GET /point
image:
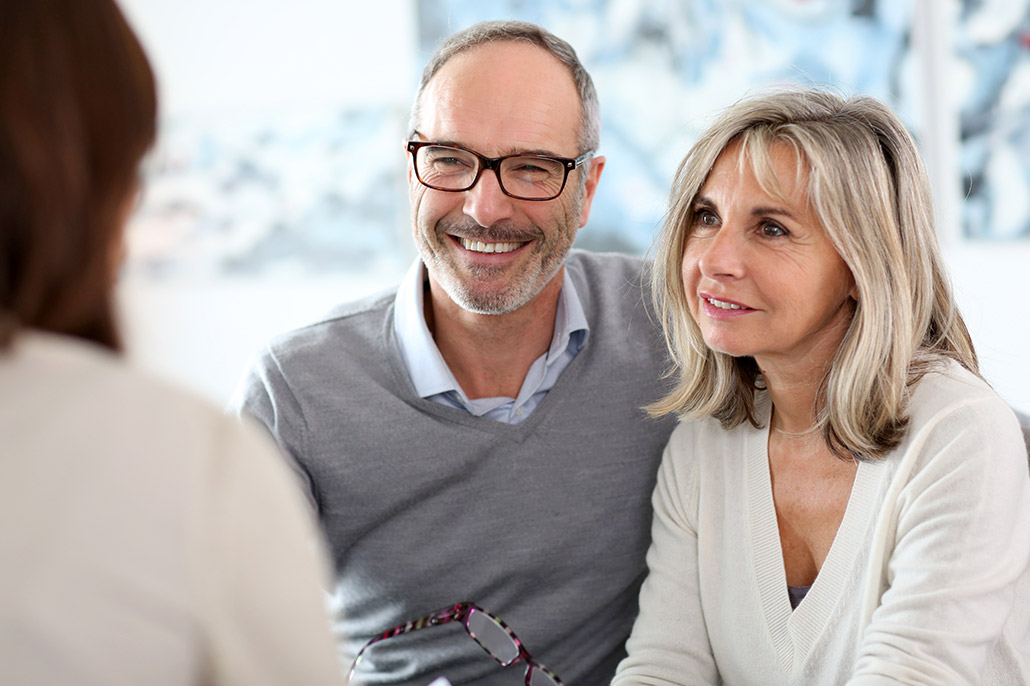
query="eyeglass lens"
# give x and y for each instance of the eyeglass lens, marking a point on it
(525, 176)
(496, 640)
(492, 636)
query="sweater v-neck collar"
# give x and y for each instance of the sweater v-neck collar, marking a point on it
(516, 432)
(794, 633)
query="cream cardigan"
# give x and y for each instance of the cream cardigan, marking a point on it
(927, 580)
(147, 538)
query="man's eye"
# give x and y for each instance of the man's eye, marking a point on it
(530, 168)
(450, 165)
(447, 161)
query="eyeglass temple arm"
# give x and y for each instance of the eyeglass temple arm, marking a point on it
(445, 615)
(442, 616)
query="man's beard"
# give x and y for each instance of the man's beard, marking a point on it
(524, 281)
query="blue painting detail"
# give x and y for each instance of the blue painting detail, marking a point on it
(993, 70)
(274, 192)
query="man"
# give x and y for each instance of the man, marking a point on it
(476, 434)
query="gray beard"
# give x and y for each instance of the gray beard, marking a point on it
(523, 287)
(512, 298)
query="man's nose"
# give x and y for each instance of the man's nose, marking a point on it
(486, 203)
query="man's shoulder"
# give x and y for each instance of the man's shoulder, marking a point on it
(359, 319)
(373, 305)
(605, 265)
(610, 281)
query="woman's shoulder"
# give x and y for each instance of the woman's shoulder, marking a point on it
(704, 447)
(73, 370)
(707, 431)
(948, 388)
(951, 406)
(101, 401)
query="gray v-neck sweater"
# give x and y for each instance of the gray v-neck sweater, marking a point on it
(545, 523)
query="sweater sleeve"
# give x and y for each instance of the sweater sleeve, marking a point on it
(954, 544)
(669, 643)
(265, 395)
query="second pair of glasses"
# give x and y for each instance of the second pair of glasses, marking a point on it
(486, 629)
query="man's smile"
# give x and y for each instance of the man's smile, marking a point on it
(480, 246)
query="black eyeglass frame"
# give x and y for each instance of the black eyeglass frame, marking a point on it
(461, 612)
(568, 164)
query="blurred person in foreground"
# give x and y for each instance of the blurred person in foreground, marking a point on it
(146, 538)
(852, 503)
(476, 434)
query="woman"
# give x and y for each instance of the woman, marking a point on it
(146, 538)
(852, 504)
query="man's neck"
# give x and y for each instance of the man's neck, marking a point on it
(490, 354)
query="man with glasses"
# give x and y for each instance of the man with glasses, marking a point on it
(474, 439)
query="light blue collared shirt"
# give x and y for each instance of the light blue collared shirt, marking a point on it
(432, 377)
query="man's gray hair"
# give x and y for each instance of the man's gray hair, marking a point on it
(589, 136)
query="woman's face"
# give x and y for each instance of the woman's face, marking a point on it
(761, 276)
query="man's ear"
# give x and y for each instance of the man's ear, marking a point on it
(407, 160)
(593, 177)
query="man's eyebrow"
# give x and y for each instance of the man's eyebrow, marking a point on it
(504, 153)
(539, 151)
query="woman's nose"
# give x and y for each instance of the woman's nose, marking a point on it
(722, 254)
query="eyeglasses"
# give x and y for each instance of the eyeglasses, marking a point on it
(492, 635)
(523, 177)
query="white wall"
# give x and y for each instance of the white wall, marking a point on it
(234, 56)
(229, 54)
(991, 283)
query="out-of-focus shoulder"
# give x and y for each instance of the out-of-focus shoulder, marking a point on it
(71, 366)
(87, 389)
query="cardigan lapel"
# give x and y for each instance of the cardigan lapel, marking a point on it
(795, 633)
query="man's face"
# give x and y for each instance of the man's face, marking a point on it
(489, 252)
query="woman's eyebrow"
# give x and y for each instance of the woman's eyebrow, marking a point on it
(781, 211)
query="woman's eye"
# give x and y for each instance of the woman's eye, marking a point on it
(774, 230)
(705, 218)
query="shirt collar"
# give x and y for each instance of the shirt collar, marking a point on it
(426, 367)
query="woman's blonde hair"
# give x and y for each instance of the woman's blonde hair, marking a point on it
(868, 186)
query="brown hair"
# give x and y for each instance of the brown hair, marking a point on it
(78, 111)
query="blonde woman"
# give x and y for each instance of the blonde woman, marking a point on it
(851, 503)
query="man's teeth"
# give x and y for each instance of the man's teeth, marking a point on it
(724, 305)
(480, 246)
